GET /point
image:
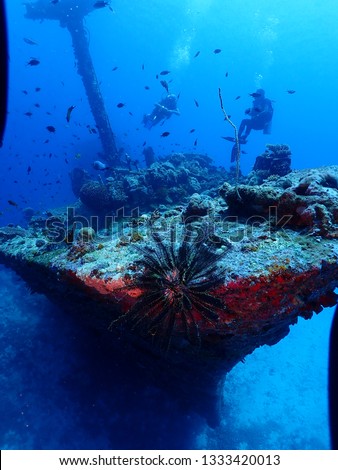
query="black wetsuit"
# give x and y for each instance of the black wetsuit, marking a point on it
(260, 118)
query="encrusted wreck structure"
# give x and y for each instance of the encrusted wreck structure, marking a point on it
(190, 289)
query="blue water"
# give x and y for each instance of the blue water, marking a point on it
(59, 386)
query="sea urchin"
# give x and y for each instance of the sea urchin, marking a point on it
(177, 287)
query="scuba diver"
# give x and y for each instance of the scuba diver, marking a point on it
(162, 111)
(260, 114)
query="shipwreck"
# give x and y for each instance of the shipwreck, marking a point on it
(191, 289)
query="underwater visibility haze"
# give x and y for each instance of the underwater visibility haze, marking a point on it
(120, 106)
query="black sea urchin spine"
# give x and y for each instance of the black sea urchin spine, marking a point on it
(177, 287)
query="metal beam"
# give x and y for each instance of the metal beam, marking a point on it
(70, 14)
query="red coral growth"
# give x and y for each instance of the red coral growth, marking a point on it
(118, 290)
(261, 298)
(250, 304)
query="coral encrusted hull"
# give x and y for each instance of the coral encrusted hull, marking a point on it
(278, 260)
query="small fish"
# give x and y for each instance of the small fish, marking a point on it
(244, 152)
(291, 92)
(29, 169)
(156, 76)
(66, 161)
(130, 113)
(115, 68)
(78, 156)
(146, 87)
(12, 203)
(237, 97)
(196, 103)
(37, 105)
(46, 141)
(144, 143)
(100, 4)
(191, 131)
(51, 129)
(195, 143)
(37, 89)
(142, 67)
(97, 165)
(164, 72)
(165, 134)
(217, 51)
(33, 61)
(69, 112)
(197, 54)
(120, 105)
(30, 41)
(226, 74)
(29, 114)
(165, 85)
(255, 95)
(25, 92)
(54, 2)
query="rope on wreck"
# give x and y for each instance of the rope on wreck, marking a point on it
(238, 149)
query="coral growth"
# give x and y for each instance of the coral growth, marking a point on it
(276, 160)
(198, 206)
(7, 233)
(78, 250)
(95, 195)
(278, 241)
(116, 191)
(307, 199)
(165, 181)
(86, 234)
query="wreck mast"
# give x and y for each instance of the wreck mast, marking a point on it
(71, 14)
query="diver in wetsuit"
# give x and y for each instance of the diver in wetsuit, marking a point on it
(260, 114)
(162, 111)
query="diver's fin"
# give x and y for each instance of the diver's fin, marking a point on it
(241, 140)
